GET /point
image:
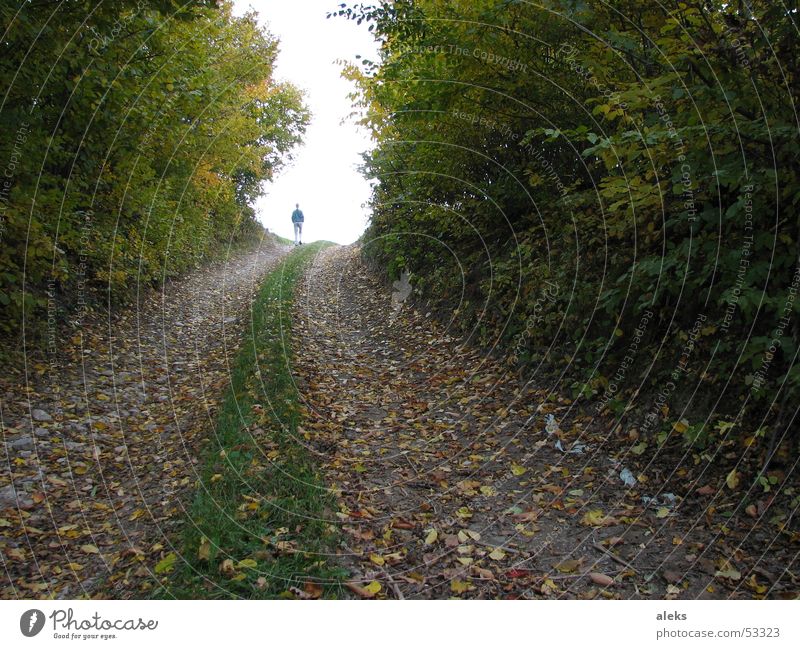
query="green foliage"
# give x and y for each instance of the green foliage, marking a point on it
(640, 158)
(136, 137)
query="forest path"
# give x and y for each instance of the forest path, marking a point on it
(101, 440)
(449, 481)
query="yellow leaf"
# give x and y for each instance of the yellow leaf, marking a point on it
(497, 554)
(204, 551)
(548, 587)
(459, 587)
(488, 491)
(90, 549)
(247, 563)
(733, 479)
(595, 518)
(431, 538)
(464, 512)
(518, 469)
(753, 583)
(569, 565)
(167, 564)
(377, 559)
(662, 512)
(373, 587)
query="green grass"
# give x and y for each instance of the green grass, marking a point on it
(255, 527)
(284, 241)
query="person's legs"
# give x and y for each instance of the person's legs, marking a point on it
(296, 233)
(300, 232)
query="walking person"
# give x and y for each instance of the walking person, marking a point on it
(297, 219)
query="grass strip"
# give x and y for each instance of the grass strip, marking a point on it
(256, 528)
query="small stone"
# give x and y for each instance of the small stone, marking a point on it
(42, 432)
(8, 495)
(23, 443)
(40, 415)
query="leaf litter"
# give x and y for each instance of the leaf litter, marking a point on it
(101, 442)
(439, 458)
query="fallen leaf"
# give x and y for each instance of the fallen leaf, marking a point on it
(497, 554)
(373, 587)
(460, 587)
(596, 518)
(247, 563)
(361, 591)
(730, 573)
(600, 579)
(204, 551)
(167, 564)
(570, 565)
(430, 539)
(90, 549)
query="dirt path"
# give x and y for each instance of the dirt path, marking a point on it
(450, 482)
(102, 437)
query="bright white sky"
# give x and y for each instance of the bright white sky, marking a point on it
(323, 177)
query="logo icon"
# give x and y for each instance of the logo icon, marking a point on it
(402, 289)
(31, 622)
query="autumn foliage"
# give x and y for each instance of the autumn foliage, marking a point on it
(606, 191)
(136, 136)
